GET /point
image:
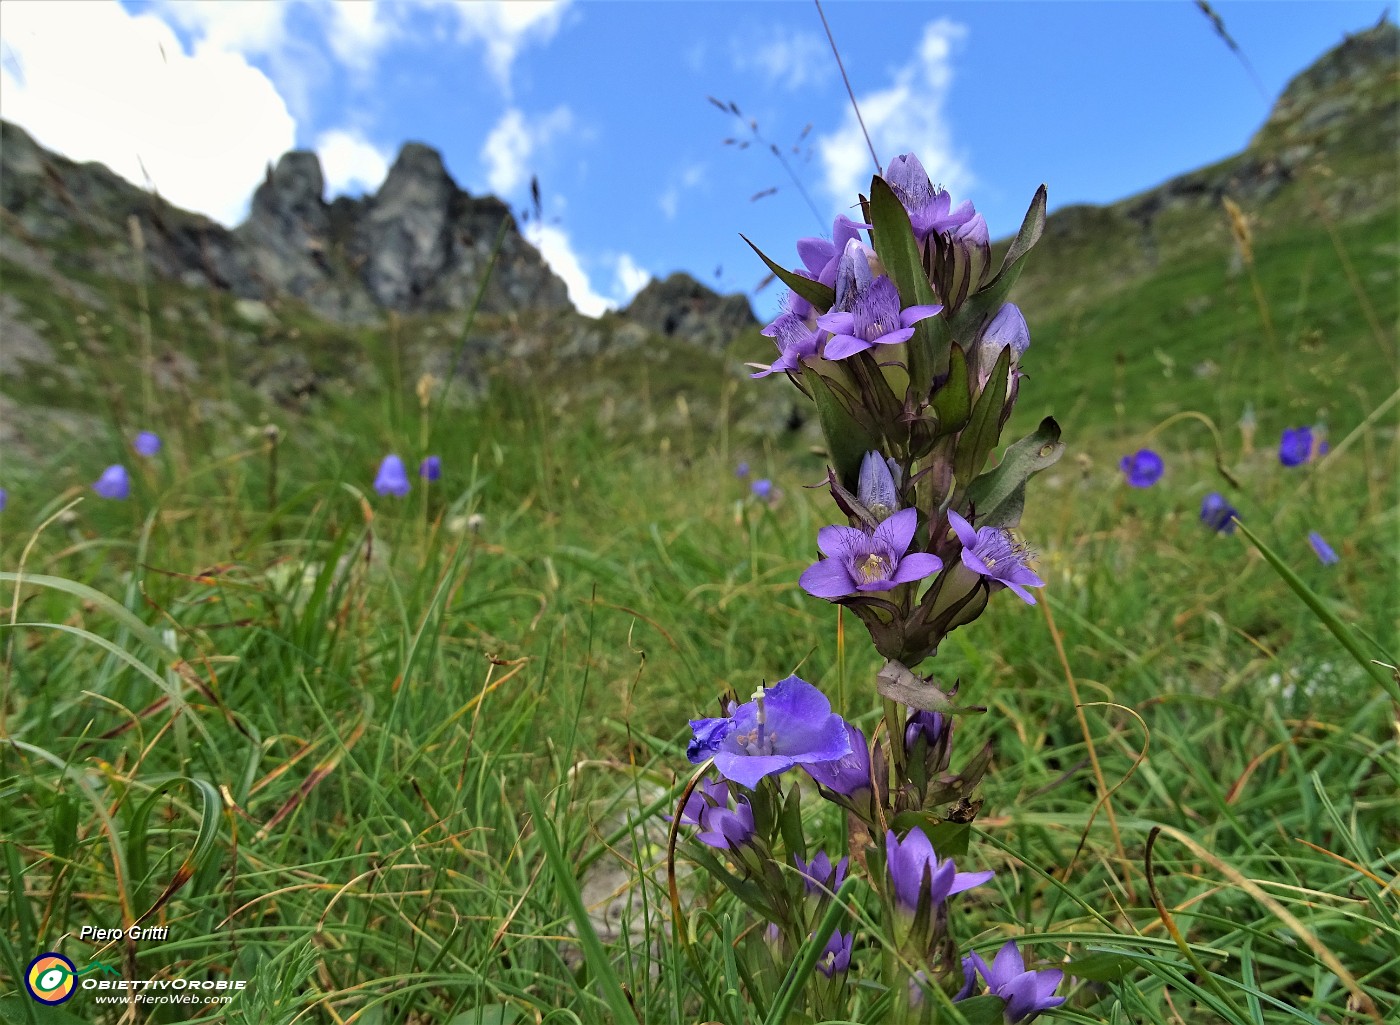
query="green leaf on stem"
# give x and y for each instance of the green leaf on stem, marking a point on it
(819, 295)
(999, 495)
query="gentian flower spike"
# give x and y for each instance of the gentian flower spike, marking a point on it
(1026, 993)
(861, 561)
(392, 479)
(991, 552)
(146, 444)
(790, 723)
(836, 956)
(913, 860)
(1323, 550)
(877, 489)
(1143, 468)
(1218, 514)
(1295, 447)
(113, 483)
(869, 313)
(430, 468)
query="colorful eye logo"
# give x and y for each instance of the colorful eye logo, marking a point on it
(51, 978)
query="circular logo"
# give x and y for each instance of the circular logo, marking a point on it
(51, 978)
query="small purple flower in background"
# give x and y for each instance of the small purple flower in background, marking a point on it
(392, 479)
(819, 875)
(725, 828)
(914, 860)
(991, 552)
(836, 956)
(1296, 446)
(790, 723)
(849, 774)
(3, 499)
(1026, 993)
(430, 468)
(1324, 551)
(870, 313)
(1143, 468)
(113, 483)
(762, 489)
(860, 561)
(146, 444)
(878, 488)
(928, 205)
(1218, 514)
(742, 470)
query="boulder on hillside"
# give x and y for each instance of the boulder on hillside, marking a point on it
(682, 308)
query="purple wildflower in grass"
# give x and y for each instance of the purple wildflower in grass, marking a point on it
(742, 470)
(1218, 514)
(790, 723)
(993, 553)
(1026, 993)
(819, 875)
(1324, 551)
(146, 444)
(762, 489)
(430, 468)
(795, 339)
(3, 499)
(726, 828)
(867, 311)
(861, 561)
(878, 487)
(929, 207)
(113, 483)
(913, 861)
(822, 257)
(1143, 468)
(836, 955)
(1295, 447)
(849, 774)
(392, 478)
(709, 793)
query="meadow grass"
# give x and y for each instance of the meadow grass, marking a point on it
(392, 760)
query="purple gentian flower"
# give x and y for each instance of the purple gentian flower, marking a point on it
(1007, 328)
(113, 483)
(1324, 551)
(878, 486)
(1218, 514)
(849, 774)
(430, 468)
(822, 257)
(742, 470)
(991, 552)
(1296, 446)
(1143, 468)
(790, 723)
(927, 204)
(795, 338)
(725, 828)
(819, 875)
(762, 489)
(913, 861)
(710, 793)
(392, 478)
(836, 956)
(869, 313)
(146, 444)
(857, 560)
(1026, 993)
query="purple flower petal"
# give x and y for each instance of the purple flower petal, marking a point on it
(898, 531)
(828, 578)
(841, 346)
(917, 566)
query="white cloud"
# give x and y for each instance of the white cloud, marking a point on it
(119, 88)
(628, 278)
(558, 251)
(514, 142)
(689, 178)
(792, 61)
(504, 28)
(906, 117)
(351, 163)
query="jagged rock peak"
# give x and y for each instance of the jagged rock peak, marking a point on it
(681, 307)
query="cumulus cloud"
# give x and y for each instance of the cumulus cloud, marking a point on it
(670, 200)
(558, 251)
(905, 117)
(628, 279)
(514, 142)
(119, 88)
(506, 28)
(790, 60)
(351, 163)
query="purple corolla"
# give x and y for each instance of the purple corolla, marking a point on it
(821, 257)
(1295, 447)
(930, 208)
(849, 774)
(726, 828)
(819, 875)
(1143, 468)
(836, 955)
(1218, 514)
(878, 486)
(863, 561)
(790, 723)
(1026, 993)
(430, 468)
(146, 444)
(1007, 328)
(1322, 549)
(392, 478)
(113, 483)
(795, 340)
(991, 552)
(913, 864)
(867, 311)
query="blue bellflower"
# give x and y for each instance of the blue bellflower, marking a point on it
(146, 444)
(430, 468)
(1218, 514)
(991, 552)
(1296, 446)
(790, 723)
(392, 478)
(864, 561)
(1323, 550)
(1143, 468)
(113, 483)
(1026, 993)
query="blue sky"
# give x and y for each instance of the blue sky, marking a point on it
(606, 102)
